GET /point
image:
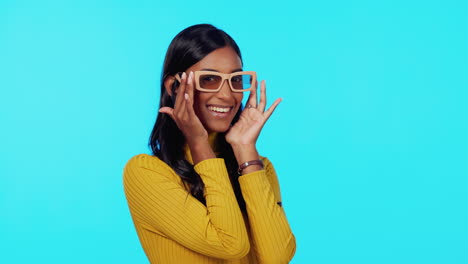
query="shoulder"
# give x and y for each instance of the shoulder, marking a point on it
(144, 161)
(144, 165)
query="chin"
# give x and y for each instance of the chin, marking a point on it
(218, 128)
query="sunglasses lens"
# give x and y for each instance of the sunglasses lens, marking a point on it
(210, 82)
(241, 82)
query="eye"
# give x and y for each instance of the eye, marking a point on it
(208, 78)
(236, 79)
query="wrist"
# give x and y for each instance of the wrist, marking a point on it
(197, 142)
(244, 153)
(200, 150)
(250, 166)
(243, 147)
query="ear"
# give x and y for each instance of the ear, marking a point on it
(168, 82)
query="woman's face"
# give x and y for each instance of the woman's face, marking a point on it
(216, 110)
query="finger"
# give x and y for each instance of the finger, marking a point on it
(179, 108)
(190, 85)
(180, 92)
(189, 107)
(272, 108)
(188, 97)
(167, 110)
(262, 103)
(181, 112)
(253, 97)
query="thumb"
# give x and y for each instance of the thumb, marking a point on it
(167, 110)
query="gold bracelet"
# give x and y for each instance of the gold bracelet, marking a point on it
(249, 163)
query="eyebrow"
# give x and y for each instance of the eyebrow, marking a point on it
(236, 70)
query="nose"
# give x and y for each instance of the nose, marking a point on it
(225, 91)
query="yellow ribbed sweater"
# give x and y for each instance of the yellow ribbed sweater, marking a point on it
(174, 227)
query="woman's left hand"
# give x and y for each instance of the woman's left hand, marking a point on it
(246, 131)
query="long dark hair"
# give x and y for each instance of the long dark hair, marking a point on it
(167, 141)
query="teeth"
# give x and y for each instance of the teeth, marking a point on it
(218, 109)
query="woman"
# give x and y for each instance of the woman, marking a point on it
(205, 195)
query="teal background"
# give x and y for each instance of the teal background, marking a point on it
(370, 142)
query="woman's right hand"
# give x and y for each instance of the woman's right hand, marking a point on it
(184, 115)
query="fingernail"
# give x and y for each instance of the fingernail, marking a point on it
(190, 77)
(186, 95)
(184, 75)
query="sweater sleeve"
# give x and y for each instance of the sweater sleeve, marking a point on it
(217, 229)
(273, 239)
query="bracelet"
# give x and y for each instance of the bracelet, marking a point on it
(249, 163)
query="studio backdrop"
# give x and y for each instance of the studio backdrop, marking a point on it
(370, 142)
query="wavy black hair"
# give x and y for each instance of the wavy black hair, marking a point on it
(167, 141)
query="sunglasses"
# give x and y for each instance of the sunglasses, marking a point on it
(210, 81)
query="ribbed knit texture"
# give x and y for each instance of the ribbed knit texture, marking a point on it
(174, 227)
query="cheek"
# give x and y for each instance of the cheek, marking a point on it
(239, 97)
(199, 100)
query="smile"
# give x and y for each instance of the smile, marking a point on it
(218, 109)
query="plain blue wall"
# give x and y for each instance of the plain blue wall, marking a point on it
(370, 142)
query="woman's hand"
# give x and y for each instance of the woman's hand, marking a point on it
(244, 133)
(184, 115)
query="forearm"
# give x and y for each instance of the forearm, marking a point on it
(271, 233)
(200, 150)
